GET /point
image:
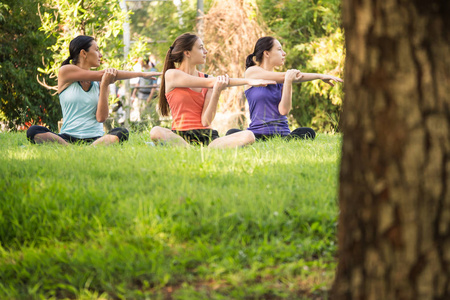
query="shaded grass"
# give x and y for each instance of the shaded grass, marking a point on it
(133, 221)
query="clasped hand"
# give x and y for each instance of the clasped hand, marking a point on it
(109, 76)
(292, 75)
(222, 82)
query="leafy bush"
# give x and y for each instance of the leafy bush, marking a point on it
(23, 99)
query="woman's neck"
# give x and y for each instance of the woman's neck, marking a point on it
(83, 66)
(267, 66)
(188, 68)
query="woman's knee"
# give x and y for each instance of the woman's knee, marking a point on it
(34, 130)
(157, 133)
(122, 133)
(249, 136)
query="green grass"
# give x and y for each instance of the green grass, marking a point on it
(141, 222)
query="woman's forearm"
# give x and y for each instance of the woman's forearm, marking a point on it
(102, 106)
(237, 81)
(286, 99)
(210, 111)
(128, 74)
(308, 77)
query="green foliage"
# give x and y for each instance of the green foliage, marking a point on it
(2, 8)
(313, 40)
(158, 23)
(23, 99)
(137, 222)
(317, 103)
(66, 19)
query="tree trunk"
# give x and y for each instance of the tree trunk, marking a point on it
(394, 223)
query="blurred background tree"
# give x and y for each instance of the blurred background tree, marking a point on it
(231, 29)
(159, 23)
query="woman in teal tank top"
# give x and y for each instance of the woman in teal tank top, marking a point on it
(83, 95)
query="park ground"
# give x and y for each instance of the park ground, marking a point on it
(135, 221)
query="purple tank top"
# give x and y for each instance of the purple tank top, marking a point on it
(264, 115)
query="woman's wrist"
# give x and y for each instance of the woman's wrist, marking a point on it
(104, 83)
(288, 80)
(216, 91)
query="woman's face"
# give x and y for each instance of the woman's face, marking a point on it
(198, 53)
(93, 56)
(276, 54)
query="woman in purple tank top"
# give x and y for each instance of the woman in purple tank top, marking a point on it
(270, 105)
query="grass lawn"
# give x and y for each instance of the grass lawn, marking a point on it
(142, 222)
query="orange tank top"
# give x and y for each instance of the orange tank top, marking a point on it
(186, 107)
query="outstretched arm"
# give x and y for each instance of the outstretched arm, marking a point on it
(71, 73)
(279, 77)
(109, 76)
(258, 72)
(250, 81)
(179, 79)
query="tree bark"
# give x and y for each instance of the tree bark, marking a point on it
(394, 222)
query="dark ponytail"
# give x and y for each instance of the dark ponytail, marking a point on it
(175, 54)
(249, 61)
(81, 42)
(263, 44)
(67, 61)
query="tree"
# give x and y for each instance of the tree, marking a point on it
(394, 223)
(22, 50)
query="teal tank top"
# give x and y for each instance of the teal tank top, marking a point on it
(79, 108)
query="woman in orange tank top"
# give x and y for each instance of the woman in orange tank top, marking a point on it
(191, 97)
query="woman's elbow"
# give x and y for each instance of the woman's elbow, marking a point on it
(284, 112)
(205, 123)
(101, 119)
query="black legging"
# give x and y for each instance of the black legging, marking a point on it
(121, 133)
(299, 133)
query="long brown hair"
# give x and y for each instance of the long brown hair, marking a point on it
(175, 54)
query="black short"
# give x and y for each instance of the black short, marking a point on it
(299, 133)
(121, 133)
(198, 136)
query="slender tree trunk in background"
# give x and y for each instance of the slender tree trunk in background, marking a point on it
(394, 223)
